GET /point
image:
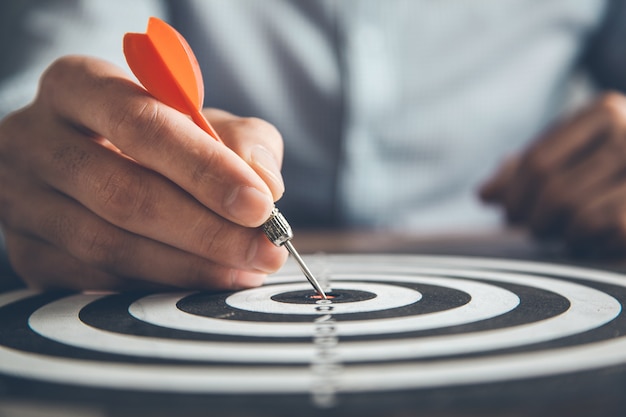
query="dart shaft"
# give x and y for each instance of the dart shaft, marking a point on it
(305, 269)
(279, 233)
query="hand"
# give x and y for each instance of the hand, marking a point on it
(571, 183)
(103, 187)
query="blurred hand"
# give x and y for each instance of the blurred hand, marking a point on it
(571, 183)
(103, 187)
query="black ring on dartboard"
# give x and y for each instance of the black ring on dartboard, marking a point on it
(17, 334)
(434, 299)
(111, 314)
(535, 305)
(337, 296)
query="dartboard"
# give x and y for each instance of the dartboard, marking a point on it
(398, 334)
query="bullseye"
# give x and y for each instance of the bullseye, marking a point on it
(329, 296)
(337, 296)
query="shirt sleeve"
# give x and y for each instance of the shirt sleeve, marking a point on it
(605, 57)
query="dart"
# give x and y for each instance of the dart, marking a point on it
(165, 65)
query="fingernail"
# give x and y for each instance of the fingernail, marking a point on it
(261, 157)
(243, 202)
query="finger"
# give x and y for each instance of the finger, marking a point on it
(55, 269)
(600, 225)
(141, 201)
(556, 150)
(256, 142)
(494, 189)
(574, 186)
(102, 246)
(156, 136)
(569, 141)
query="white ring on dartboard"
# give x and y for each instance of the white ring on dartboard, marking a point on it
(384, 376)
(487, 301)
(259, 300)
(589, 309)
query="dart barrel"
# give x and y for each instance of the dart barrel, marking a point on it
(277, 229)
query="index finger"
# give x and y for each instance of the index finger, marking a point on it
(96, 95)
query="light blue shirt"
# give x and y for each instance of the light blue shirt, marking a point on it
(393, 112)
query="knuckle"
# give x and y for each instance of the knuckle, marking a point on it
(54, 76)
(101, 248)
(122, 196)
(204, 173)
(209, 241)
(141, 119)
(60, 74)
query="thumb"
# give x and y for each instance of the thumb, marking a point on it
(256, 141)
